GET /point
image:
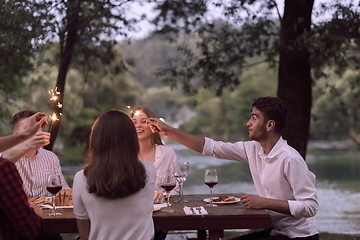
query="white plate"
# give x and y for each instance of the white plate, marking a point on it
(220, 203)
(48, 206)
(59, 207)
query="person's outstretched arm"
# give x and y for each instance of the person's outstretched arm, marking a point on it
(39, 140)
(34, 123)
(191, 141)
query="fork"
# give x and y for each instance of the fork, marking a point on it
(192, 210)
(199, 209)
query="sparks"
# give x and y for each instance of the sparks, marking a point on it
(54, 94)
(54, 117)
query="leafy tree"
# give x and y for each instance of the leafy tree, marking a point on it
(106, 87)
(19, 26)
(336, 114)
(83, 28)
(249, 30)
(146, 55)
(229, 112)
(334, 45)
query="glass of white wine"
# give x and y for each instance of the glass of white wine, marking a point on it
(181, 170)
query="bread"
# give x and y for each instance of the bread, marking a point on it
(158, 197)
(38, 200)
(64, 198)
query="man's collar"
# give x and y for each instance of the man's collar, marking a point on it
(273, 151)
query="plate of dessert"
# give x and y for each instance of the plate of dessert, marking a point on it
(223, 200)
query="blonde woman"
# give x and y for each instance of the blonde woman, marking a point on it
(152, 148)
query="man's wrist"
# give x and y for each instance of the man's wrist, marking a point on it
(24, 135)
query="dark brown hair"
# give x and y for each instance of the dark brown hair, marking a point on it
(273, 109)
(113, 169)
(20, 116)
(155, 137)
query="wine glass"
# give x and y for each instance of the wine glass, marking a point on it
(211, 179)
(168, 183)
(54, 186)
(181, 171)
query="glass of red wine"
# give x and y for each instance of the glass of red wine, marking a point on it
(211, 179)
(168, 183)
(53, 187)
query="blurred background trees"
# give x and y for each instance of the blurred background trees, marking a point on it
(213, 70)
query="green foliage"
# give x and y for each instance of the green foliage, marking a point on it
(19, 25)
(336, 114)
(146, 55)
(222, 52)
(223, 46)
(334, 42)
(228, 114)
(81, 132)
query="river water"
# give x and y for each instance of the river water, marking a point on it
(338, 181)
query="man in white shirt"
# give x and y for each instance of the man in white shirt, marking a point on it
(33, 163)
(285, 186)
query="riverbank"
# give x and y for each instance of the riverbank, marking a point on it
(228, 235)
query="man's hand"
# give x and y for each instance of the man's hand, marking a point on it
(252, 201)
(158, 126)
(35, 122)
(39, 140)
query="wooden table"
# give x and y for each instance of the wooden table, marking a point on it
(231, 216)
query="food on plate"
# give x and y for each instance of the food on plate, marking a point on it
(224, 199)
(158, 197)
(64, 198)
(38, 200)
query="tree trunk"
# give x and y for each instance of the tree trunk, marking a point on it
(295, 83)
(65, 61)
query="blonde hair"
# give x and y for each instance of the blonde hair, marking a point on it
(155, 137)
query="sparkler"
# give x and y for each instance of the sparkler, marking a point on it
(54, 93)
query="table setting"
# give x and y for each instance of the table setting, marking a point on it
(192, 214)
(199, 210)
(181, 170)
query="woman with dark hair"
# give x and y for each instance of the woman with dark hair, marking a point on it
(113, 195)
(152, 148)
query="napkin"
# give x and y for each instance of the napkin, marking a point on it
(188, 211)
(161, 205)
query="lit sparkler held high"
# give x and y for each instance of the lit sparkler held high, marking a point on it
(54, 93)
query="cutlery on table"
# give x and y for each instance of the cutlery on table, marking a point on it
(192, 210)
(199, 209)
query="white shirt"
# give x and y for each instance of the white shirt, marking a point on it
(282, 174)
(112, 219)
(164, 163)
(34, 172)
